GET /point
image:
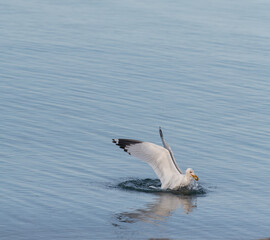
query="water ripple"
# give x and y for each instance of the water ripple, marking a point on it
(154, 186)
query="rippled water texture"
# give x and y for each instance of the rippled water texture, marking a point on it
(75, 74)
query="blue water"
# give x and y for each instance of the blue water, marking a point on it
(75, 74)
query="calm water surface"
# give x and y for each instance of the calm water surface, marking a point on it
(75, 74)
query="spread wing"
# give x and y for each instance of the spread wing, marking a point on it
(156, 156)
(167, 146)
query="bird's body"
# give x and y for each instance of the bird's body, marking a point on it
(162, 161)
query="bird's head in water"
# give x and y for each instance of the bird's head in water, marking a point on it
(190, 172)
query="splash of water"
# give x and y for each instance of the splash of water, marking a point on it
(154, 186)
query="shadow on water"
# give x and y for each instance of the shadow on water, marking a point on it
(158, 211)
(165, 203)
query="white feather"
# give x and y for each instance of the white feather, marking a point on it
(160, 160)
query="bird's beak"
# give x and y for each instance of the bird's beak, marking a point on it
(195, 177)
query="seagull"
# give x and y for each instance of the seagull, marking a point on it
(162, 161)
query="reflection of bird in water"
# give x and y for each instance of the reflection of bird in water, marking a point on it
(165, 204)
(162, 161)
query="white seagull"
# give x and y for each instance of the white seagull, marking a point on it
(161, 159)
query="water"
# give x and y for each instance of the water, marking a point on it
(75, 74)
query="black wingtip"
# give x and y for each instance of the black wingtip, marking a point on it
(160, 132)
(124, 143)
